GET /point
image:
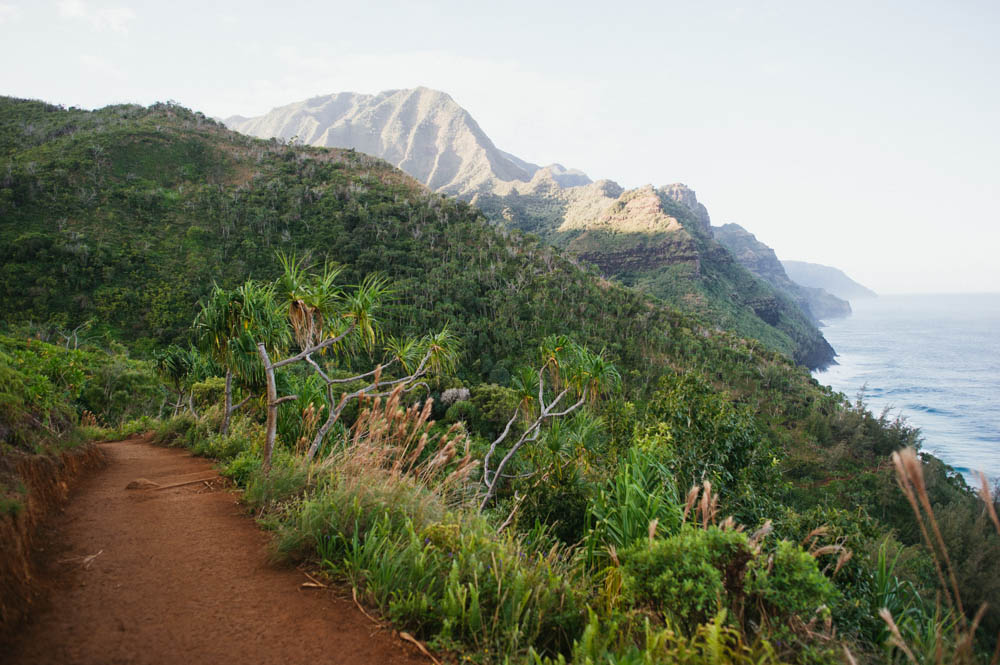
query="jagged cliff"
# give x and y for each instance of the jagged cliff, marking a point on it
(656, 239)
(660, 240)
(761, 260)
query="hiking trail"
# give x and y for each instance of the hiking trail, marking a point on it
(174, 571)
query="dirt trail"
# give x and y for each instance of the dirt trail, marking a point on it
(181, 576)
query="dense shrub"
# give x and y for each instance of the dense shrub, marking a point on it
(46, 389)
(692, 576)
(688, 577)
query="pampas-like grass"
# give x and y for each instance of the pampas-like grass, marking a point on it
(397, 442)
(910, 477)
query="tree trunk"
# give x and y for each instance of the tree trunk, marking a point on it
(229, 402)
(272, 407)
(333, 413)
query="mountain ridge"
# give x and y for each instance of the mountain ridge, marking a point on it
(762, 261)
(633, 235)
(424, 132)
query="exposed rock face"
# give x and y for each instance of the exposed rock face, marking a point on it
(830, 279)
(686, 197)
(421, 131)
(660, 240)
(761, 260)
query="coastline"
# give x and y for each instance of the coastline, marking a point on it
(931, 359)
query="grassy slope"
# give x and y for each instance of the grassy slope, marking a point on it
(128, 214)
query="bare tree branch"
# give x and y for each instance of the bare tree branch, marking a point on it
(493, 446)
(530, 434)
(334, 412)
(313, 349)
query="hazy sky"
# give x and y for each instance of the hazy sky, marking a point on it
(860, 136)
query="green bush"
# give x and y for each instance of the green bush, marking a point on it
(44, 389)
(688, 577)
(494, 406)
(706, 435)
(692, 576)
(209, 392)
(342, 506)
(243, 467)
(280, 487)
(559, 501)
(464, 411)
(459, 585)
(174, 431)
(244, 435)
(713, 643)
(788, 583)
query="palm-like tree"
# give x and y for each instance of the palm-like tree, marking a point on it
(524, 381)
(558, 353)
(311, 298)
(228, 325)
(361, 308)
(179, 367)
(574, 371)
(594, 374)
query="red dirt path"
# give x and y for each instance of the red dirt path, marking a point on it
(182, 577)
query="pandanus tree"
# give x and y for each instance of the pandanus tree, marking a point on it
(572, 372)
(180, 368)
(330, 320)
(229, 325)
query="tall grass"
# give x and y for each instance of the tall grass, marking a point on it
(948, 635)
(391, 511)
(398, 443)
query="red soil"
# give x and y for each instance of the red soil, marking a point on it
(181, 576)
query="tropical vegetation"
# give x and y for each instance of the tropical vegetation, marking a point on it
(507, 455)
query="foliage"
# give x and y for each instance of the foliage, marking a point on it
(641, 494)
(704, 435)
(126, 223)
(692, 576)
(684, 266)
(46, 389)
(714, 643)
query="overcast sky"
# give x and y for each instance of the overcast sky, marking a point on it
(857, 136)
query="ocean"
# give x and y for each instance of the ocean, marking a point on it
(935, 360)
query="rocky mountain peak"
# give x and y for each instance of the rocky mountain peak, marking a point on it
(684, 195)
(422, 131)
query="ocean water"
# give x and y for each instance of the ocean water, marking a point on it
(935, 360)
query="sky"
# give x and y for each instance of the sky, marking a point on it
(855, 134)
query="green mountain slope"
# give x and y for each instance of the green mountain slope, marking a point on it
(428, 135)
(761, 260)
(127, 215)
(660, 241)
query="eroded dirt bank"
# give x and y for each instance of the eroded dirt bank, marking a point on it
(47, 480)
(180, 575)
